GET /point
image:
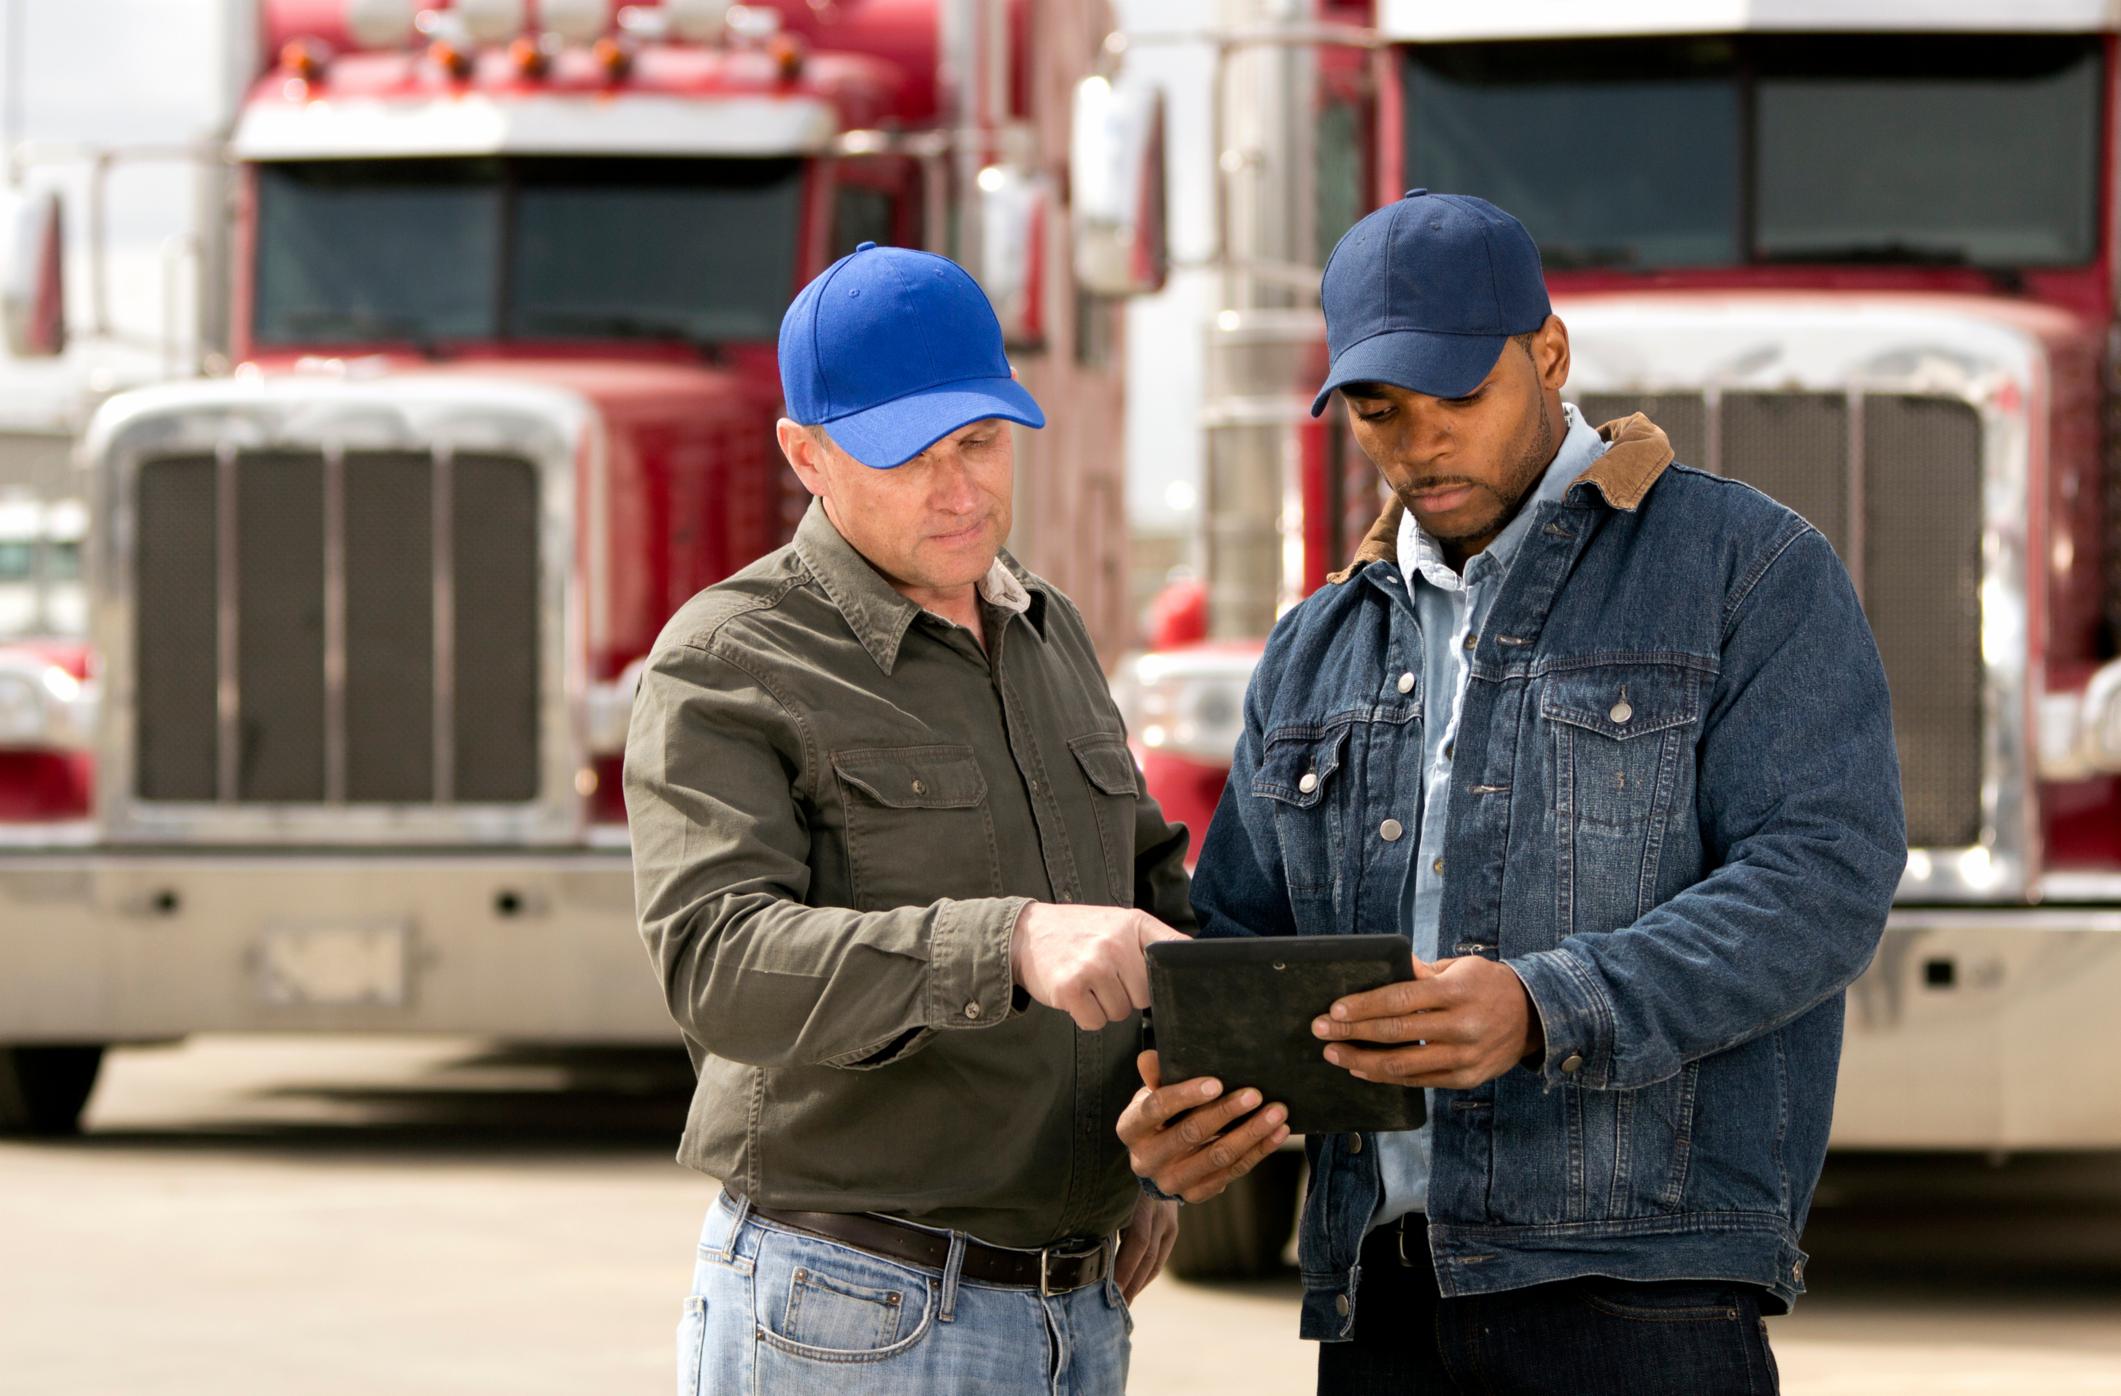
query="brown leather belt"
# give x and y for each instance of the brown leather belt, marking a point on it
(1056, 1269)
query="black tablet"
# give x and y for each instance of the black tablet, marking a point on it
(1240, 1010)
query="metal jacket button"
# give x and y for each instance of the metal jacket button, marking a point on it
(1572, 1063)
(1622, 710)
(1406, 683)
(972, 1010)
(1341, 1305)
(920, 787)
(1390, 830)
(1309, 783)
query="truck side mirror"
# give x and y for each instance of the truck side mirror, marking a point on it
(32, 277)
(1015, 208)
(1116, 170)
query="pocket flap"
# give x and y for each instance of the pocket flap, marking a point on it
(1623, 700)
(1106, 761)
(1297, 765)
(914, 777)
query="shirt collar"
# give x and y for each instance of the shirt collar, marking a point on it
(1421, 557)
(875, 610)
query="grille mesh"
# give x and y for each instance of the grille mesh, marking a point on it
(1915, 550)
(487, 569)
(176, 652)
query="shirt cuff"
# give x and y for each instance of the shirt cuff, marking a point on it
(970, 983)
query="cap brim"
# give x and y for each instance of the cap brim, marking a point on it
(1421, 361)
(892, 433)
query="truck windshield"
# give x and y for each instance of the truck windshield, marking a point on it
(696, 251)
(1647, 153)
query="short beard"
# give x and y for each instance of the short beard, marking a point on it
(1531, 453)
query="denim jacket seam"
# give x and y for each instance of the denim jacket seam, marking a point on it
(1744, 590)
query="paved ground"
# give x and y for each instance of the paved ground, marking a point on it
(335, 1217)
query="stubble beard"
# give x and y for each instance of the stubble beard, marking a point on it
(1532, 452)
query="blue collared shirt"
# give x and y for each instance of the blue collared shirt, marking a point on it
(1451, 606)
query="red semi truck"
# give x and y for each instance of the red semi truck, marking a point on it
(1861, 255)
(503, 291)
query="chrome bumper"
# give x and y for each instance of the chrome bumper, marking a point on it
(107, 946)
(1992, 1029)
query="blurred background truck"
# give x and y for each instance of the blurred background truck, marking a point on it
(1860, 255)
(486, 389)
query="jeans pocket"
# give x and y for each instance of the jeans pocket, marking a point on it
(692, 1341)
(1666, 1302)
(830, 1303)
(1116, 1299)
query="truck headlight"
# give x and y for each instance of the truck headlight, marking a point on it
(1189, 703)
(43, 707)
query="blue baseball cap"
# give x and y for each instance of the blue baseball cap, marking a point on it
(1423, 294)
(892, 349)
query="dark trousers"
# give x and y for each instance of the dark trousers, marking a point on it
(1584, 1337)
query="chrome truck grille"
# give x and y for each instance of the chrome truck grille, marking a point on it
(336, 628)
(1894, 481)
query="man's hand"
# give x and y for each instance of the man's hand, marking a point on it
(1469, 1021)
(1144, 1245)
(1190, 1141)
(1086, 960)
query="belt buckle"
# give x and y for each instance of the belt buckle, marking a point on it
(1046, 1257)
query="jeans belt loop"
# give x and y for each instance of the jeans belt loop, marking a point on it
(952, 1267)
(740, 1204)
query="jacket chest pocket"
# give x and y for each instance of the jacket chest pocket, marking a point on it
(1619, 731)
(1108, 774)
(918, 829)
(1300, 771)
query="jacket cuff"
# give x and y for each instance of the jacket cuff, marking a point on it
(1573, 1012)
(970, 984)
(1150, 1188)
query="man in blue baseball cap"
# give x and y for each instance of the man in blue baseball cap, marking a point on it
(1608, 738)
(896, 874)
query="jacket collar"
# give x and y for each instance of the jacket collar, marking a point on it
(1637, 453)
(875, 611)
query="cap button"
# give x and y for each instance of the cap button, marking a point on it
(864, 247)
(1416, 193)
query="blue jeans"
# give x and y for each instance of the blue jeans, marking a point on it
(775, 1312)
(1586, 1337)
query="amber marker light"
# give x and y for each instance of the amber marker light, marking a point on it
(449, 58)
(527, 57)
(301, 60)
(786, 51)
(611, 57)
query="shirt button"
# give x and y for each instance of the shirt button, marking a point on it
(1472, 640)
(1309, 783)
(1406, 683)
(1450, 750)
(920, 787)
(1572, 1063)
(1437, 867)
(972, 1010)
(1341, 1305)
(1390, 830)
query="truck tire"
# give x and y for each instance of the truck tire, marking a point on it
(43, 1088)
(1240, 1234)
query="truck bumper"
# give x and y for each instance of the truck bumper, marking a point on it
(107, 946)
(1986, 1029)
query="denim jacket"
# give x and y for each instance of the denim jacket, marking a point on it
(1677, 818)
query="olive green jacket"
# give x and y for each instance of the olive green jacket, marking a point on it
(840, 804)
